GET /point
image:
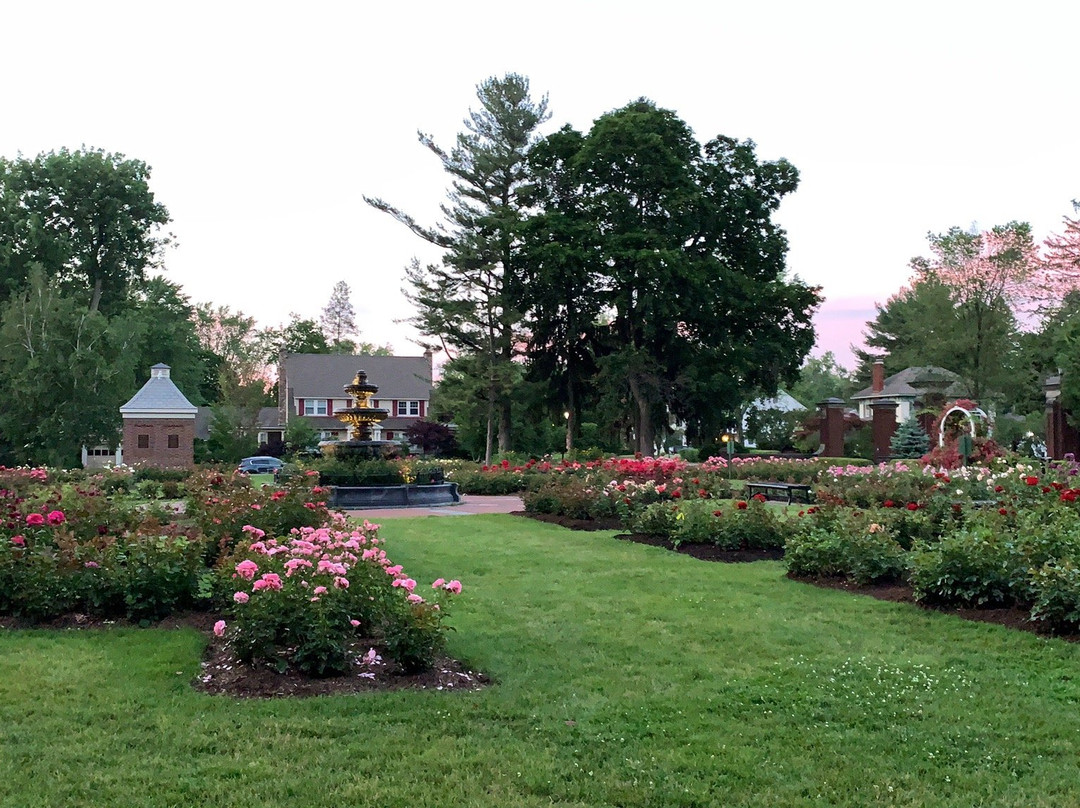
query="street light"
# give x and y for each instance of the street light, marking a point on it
(729, 441)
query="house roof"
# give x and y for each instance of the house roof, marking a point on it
(325, 375)
(782, 401)
(911, 383)
(159, 396)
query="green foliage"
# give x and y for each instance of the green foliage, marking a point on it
(86, 218)
(974, 566)
(833, 543)
(910, 440)
(573, 497)
(738, 525)
(65, 371)
(822, 378)
(1056, 586)
(770, 428)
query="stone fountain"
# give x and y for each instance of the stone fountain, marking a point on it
(361, 416)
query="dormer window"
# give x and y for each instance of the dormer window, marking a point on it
(408, 408)
(314, 406)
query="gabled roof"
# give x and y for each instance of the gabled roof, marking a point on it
(782, 401)
(911, 383)
(325, 375)
(160, 397)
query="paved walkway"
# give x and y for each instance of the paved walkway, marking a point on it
(468, 506)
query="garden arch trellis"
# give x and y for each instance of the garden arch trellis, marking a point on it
(969, 416)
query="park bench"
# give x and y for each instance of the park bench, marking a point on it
(781, 491)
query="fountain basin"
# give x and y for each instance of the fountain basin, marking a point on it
(393, 496)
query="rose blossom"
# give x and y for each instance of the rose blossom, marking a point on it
(241, 597)
(247, 568)
(56, 517)
(35, 519)
(219, 628)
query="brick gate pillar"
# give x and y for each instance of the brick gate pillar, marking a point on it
(883, 428)
(832, 427)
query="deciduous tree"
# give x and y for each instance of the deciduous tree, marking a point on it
(86, 217)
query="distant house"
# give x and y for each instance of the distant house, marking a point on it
(311, 386)
(781, 402)
(159, 424)
(913, 389)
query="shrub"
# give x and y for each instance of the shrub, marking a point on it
(971, 567)
(1056, 587)
(844, 543)
(303, 600)
(745, 525)
(574, 498)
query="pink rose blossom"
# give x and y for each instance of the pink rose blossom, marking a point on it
(270, 580)
(405, 583)
(219, 628)
(414, 598)
(256, 506)
(92, 565)
(56, 517)
(320, 590)
(394, 570)
(246, 569)
(241, 597)
(19, 541)
(438, 582)
(341, 583)
(453, 587)
(34, 519)
(354, 623)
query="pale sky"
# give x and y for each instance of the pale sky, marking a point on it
(265, 123)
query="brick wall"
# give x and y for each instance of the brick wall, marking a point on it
(156, 433)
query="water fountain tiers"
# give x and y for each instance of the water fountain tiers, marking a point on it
(361, 416)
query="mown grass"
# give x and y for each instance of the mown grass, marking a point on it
(626, 675)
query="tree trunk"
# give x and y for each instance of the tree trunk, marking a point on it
(95, 300)
(644, 426)
(571, 417)
(490, 427)
(504, 426)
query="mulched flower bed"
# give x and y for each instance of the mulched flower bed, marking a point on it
(704, 551)
(572, 524)
(222, 674)
(1015, 618)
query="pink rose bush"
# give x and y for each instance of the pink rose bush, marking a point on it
(303, 599)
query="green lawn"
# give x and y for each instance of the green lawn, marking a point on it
(626, 676)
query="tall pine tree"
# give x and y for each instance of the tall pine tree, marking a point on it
(467, 302)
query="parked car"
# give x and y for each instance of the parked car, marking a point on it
(260, 465)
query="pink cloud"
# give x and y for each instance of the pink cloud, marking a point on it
(840, 323)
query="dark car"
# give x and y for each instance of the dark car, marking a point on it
(260, 465)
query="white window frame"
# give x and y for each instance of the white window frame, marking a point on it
(311, 406)
(408, 409)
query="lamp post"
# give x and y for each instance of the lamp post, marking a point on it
(729, 442)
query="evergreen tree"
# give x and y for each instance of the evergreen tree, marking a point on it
(339, 317)
(910, 440)
(467, 303)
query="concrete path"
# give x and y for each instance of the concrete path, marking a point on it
(468, 506)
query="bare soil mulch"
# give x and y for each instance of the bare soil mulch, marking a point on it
(222, 674)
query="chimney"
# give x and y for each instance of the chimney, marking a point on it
(878, 380)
